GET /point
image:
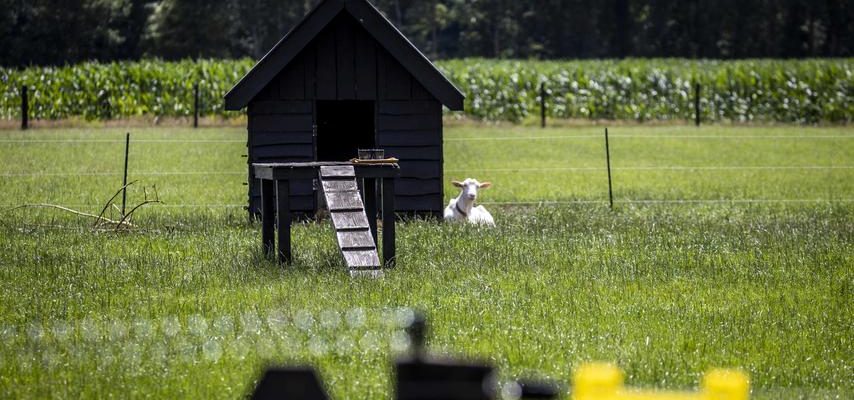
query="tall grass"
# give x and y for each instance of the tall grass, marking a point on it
(186, 306)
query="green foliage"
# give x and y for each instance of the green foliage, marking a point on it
(112, 90)
(810, 91)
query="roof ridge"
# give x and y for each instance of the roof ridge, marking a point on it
(376, 25)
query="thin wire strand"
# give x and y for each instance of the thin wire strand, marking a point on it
(664, 201)
(66, 141)
(662, 168)
(458, 170)
(177, 173)
(472, 139)
(544, 202)
(463, 139)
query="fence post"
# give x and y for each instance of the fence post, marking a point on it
(697, 104)
(542, 104)
(196, 105)
(608, 161)
(125, 178)
(25, 109)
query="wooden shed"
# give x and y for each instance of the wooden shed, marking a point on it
(345, 78)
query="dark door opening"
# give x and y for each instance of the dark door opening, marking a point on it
(343, 127)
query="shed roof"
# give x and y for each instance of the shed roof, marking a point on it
(377, 25)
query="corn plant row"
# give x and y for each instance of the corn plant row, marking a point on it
(121, 89)
(803, 91)
(792, 91)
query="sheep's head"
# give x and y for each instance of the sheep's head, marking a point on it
(469, 187)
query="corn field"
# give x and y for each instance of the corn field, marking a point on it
(790, 91)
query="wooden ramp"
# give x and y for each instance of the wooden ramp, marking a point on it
(350, 221)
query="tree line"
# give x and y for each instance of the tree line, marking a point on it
(56, 32)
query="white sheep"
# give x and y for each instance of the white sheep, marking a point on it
(462, 208)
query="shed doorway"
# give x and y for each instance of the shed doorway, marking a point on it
(343, 127)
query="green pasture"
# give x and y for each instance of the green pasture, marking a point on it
(727, 247)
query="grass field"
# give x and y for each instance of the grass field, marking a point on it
(728, 246)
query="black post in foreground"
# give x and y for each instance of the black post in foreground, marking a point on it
(697, 104)
(25, 109)
(196, 105)
(542, 105)
(608, 160)
(125, 178)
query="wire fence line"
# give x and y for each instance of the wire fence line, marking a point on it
(580, 169)
(651, 137)
(71, 141)
(660, 168)
(158, 205)
(463, 139)
(176, 173)
(664, 201)
(531, 203)
(458, 170)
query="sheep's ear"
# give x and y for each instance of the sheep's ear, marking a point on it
(457, 184)
(485, 185)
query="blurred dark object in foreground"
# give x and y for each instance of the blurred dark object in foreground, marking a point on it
(418, 376)
(295, 383)
(420, 379)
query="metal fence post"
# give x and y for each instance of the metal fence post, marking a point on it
(608, 161)
(25, 108)
(125, 178)
(196, 105)
(697, 103)
(542, 104)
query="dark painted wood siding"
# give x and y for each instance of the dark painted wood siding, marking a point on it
(345, 63)
(411, 130)
(281, 131)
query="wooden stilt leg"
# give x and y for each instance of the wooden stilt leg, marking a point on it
(283, 221)
(267, 218)
(389, 253)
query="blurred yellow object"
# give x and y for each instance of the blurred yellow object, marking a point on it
(602, 381)
(597, 381)
(725, 384)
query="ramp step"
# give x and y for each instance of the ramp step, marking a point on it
(361, 259)
(340, 186)
(337, 171)
(350, 220)
(356, 239)
(344, 201)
